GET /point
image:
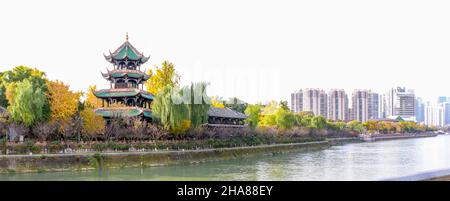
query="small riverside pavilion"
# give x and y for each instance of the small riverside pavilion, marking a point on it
(126, 85)
(225, 117)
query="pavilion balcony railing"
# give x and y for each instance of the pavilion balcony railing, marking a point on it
(120, 85)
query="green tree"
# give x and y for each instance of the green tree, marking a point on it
(304, 118)
(336, 126)
(27, 104)
(355, 125)
(284, 105)
(163, 77)
(167, 110)
(318, 122)
(199, 104)
(18, 74)
(254, 114)
(179, 109)
(268, 117)
(285, 119)
(236, 104)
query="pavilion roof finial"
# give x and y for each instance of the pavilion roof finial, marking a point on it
(126, 37)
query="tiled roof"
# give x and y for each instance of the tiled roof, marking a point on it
(123, 112)
(122, 92)
(126, 51)
(225, 112)
(118, 73)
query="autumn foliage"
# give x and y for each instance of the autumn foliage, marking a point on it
(63, 102)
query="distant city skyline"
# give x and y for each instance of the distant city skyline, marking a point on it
(281, 47)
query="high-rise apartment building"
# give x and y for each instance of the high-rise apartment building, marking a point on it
(434, 115)
(443, 99)
(374, 105)
(445, 113)
(338, 105)
(313, 100)
(297, 101)
(360, 105)
(366, 105)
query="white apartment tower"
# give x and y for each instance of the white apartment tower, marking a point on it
(374, 106)
(366, 105)
(338, 105)
(360, 105)
(434, 115)
(313, 100)
(297, 101)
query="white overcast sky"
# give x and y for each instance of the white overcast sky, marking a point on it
(256, 50)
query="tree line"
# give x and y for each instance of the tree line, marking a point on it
(279, 116)
(45, 109)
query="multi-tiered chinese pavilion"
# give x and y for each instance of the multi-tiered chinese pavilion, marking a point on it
(125, 97)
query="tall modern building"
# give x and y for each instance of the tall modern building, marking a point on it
(433, 115)
(360, 105)
(420, 110)
(366, 105)
(374, 106)
(297, 101)
(338, 105)
(445, 113)
(401, 102)
(313, 100)
(383, 106)
(443, 99)
(444, 104)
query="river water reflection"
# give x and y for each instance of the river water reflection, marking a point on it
(360, 161)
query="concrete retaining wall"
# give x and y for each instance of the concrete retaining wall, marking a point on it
(89, 161)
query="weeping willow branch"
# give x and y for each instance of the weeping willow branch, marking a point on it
(178, 109)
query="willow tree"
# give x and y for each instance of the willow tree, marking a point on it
(198, 104)
(26, 105)
(168, 111)
(254, 115)
(179, 109)
(18, 74)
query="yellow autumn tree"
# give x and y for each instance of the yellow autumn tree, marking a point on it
(93, 124)
(91, 100)
(63, 101)
(164, 76)
(216, 102)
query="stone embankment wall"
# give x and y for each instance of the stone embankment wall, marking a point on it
(89, 161)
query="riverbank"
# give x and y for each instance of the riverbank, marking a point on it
(435, 175)
(374, 138)
(92, 161)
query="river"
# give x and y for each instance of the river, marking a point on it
(358, 161)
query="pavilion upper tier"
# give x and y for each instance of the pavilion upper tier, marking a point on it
(126, 57)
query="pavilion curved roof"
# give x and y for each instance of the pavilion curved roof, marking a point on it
(123, 112)
(126, 51)
(119, 73)
(225, 113)
(122, 92)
